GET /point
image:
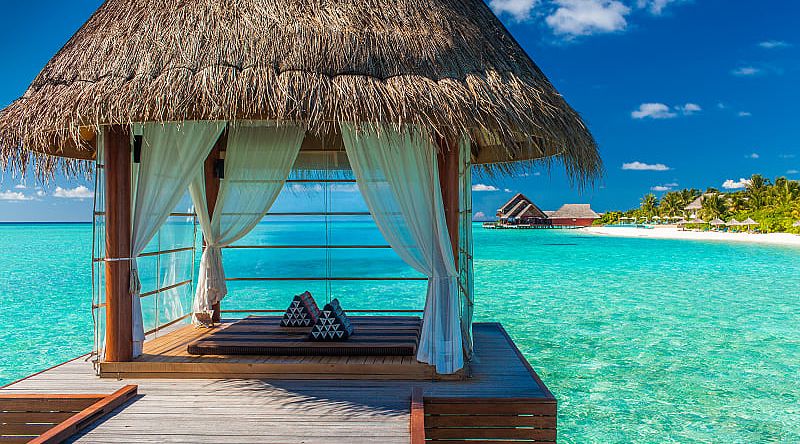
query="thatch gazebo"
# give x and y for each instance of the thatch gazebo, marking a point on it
(414, 93)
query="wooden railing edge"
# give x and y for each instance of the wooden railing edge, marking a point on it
(417, 420)
(87, 416)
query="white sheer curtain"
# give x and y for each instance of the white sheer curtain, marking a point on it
(258, 159)
(398, 176)
(171, 154)
(465, 269)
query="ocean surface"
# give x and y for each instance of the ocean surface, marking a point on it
(646, 341)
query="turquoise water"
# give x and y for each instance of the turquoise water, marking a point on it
(641, 340)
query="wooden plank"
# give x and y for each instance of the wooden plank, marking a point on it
(544, 422)
(34, 417)
(43, 403)
(492, 433)
(494, 441)
(87, 416)
(14, 439)
(417, 420)
(24, 428)
(479, 407)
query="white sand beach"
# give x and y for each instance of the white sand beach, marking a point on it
(675, 233)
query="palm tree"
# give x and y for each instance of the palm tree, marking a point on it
(648, 205)
(671, 204)
(713, 207)
(689, 195)
(784, 191)
(757, 191)
(737, 202)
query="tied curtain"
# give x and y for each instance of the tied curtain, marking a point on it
(171, 154)
(258, 160)
(398, 176)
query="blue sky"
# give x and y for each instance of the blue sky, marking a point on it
(678, 93)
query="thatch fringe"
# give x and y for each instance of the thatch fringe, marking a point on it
(446, 65)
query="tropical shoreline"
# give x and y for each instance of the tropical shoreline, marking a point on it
(784, 239)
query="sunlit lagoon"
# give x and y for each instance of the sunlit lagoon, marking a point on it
(640, 340)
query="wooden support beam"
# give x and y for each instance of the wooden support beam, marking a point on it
(212, 192)
(119, 319)
(448, 179)
(417, 422)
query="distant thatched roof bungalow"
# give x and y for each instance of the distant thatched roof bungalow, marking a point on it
(520, 209)
(695, 204)
(580, 215)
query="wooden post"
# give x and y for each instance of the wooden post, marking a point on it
(119, 319)
(417, 422)
(448, 179)
(212, 192)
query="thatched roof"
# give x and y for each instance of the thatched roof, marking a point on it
(511, 203)
(518, 207)
(448, 65)
(695, 204)
(575, 211)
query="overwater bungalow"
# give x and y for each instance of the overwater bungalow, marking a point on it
(521, 211)
(226, 101)
(574, 215)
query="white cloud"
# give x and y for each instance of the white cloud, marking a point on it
(787, 156)
(752, 156)
(655, 7)
(40, 193)
(585, 17)
(721, 105)
(79, 192)
(537, 173)
(484, 187)
(479, 215)
(653, 111)
(507, 190)
(656, 110)
(20, 186)
(746, 71)
(690, 108)
(731, 184)
(13, 196)
(744, 114)
(664, 187)
(792, 172)
(774, 44)
(518, 9)
(641, 166)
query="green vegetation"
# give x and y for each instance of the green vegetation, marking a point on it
(775, 205)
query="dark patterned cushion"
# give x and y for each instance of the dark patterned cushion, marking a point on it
(332, 325)
(302, 312)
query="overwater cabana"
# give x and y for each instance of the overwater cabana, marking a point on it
(226, 101)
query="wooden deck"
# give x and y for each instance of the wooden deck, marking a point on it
(168, 357)
(503, 393)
